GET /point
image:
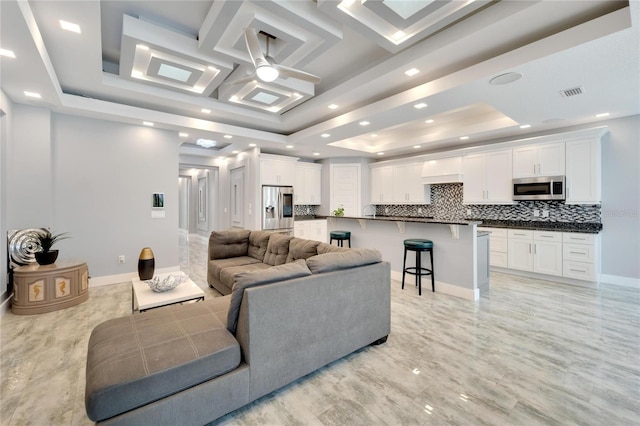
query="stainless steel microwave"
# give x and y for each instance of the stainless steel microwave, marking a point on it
(539, 188)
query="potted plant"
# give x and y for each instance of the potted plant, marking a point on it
(339, 211)
(46, 256)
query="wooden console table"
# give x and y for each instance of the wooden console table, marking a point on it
(45, 288)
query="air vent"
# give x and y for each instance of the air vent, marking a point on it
(572, 92)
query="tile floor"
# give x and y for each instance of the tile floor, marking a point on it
(528, 353)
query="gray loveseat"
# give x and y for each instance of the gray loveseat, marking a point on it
(192, 364)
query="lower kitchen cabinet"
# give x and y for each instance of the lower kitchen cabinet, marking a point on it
(580, 254)
(498, 247)
(311, 230)
(535, 251)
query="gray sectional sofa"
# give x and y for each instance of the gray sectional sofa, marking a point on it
(192, 364)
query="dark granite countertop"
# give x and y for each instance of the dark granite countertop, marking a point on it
(411, 219)
(302, 218)
(589, 228)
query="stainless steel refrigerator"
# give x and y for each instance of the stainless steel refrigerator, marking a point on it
(277, 209)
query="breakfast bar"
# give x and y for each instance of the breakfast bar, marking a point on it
(456, 247)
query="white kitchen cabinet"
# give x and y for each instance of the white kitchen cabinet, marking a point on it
(539, 160)
(580, 255)
(535, 251)
(407, 185)
(498, 247)
(311, 229)
(487, 178)
(382, 185)
(277, 170)
(308, 184)
(583, 172)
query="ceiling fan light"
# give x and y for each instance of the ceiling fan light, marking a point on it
(267, 73)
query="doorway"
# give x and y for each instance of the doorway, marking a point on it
(184, 184)
(236, 191)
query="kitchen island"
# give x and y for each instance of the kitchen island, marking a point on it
(455, 245)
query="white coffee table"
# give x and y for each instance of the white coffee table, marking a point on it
(143, 298)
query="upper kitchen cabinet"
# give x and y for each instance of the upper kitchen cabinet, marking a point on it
(277, 170)
(539, 160)
(308, 184)
(583, 172)
(487, 178)
(398, 184)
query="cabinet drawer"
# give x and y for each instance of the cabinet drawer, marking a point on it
(498, 244)
(520, 234)
(498, 259)
(547, 236)
(578, 252)
(579, 270)
(495, 232)
(574, 237)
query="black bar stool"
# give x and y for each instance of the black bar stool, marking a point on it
(419, 246)
(340, 236)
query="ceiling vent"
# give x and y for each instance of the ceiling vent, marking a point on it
(572, 92)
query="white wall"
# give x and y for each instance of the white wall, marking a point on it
(6, 118)
(104, 175)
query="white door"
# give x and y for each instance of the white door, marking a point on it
(548, 258)
(345, 188)
(474, 178)
(520, 255)
(237, 197)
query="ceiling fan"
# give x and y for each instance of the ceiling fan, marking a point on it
(266, 69)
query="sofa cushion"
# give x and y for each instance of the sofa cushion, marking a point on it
(228, 275)
(245, 280)
(217, 265)
(328, 262)
(231, 243)
(328, 248)
(135, 360)
(258, 241)
(277, 249)
(301, 249)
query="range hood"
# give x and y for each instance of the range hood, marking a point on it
(442, 170)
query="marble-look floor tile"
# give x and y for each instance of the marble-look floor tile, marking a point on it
(528, 352)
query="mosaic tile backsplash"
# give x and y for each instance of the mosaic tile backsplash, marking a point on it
(446, 203)
(303, 210)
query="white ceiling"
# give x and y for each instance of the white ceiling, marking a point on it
(457, 46)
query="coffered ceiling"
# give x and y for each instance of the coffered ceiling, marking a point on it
(174, 64)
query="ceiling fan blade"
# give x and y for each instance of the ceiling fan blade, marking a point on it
(254, 48)
(294, 73)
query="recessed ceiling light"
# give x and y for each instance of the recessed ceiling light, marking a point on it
(70, 26)
(420, 105)
(412, 72)
(32, 94)
(147, 123)
(137, 74)
(206, 110)
(235, 151)
(506, 78)
(233, 99)
(289, 146)
(399, 34)
(142, 47)
(228, 136)
(464, 138)
(364, 123)
(374, 135)
(183, 135)
(206, 143)
(429, 121)
(417, 146)
(325, 135)
(380, 153)
(252, 144)
(7, 53)
(604, 114)
(316, 153)
(525, 126)
(333, 106)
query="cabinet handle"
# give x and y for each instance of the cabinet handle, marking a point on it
(577, 270)
(529, 248)
(578, 252)
(546, 236)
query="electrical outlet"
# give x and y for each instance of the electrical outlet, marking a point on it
(386, 210)
(545, 213)
(536, 213)
(121, 258)
(419, 210)
(468, 212)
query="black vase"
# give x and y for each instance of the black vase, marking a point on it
(46, 257)
(146, 264)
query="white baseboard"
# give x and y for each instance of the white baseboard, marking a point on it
(622, 281)
(123, 278)
(442, 287)
(6, 305)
